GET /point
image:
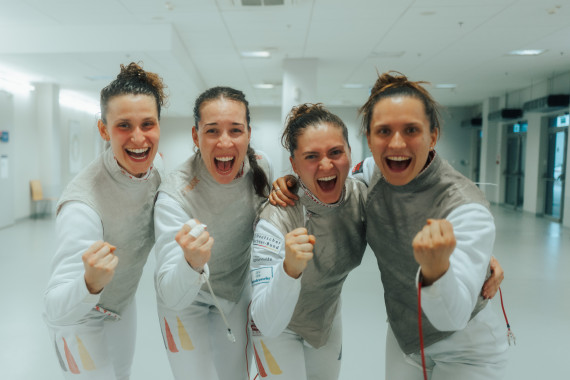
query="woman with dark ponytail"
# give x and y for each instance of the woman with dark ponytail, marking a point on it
(104, 233)
(204, 218)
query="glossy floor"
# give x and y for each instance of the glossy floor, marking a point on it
(534, 252)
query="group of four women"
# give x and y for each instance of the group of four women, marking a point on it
(231, 266)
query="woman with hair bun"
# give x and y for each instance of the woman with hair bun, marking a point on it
(302, 254)
(104, 233)
(430, 228)
(204, 218)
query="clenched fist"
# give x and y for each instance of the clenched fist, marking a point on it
(100, 263)
(197, 246)
(298, 251)
(433, 246)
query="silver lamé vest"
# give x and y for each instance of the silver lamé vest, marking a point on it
(229, 212)
(395, 215)
(340, 234)
(125, 207)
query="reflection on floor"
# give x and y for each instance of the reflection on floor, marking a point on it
(534, 252)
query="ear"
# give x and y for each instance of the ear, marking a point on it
(249, 137)
(293, 165)
(103, 130)
(433, 138)
(195, 136)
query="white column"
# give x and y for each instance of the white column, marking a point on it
(49, 135)
(566, 195)
(299, 86)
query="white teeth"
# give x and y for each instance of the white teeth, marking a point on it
(229, 158)
(398, 158)
(329, 178)
(138, 151)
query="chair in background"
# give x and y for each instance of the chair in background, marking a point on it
(39, 203)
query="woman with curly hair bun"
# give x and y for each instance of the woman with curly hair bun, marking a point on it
(104, 233)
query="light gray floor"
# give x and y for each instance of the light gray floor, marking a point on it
(534, 252)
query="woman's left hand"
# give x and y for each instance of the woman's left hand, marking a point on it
(491, 286)
(433, 246)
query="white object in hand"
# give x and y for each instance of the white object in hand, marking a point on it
(195, 228)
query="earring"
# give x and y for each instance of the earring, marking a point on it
(431, 148)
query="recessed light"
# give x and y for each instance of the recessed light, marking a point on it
(264, 86)
(256, 54)
(445, 85)
(353, 85)
(527, 52)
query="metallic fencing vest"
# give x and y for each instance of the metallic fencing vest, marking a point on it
(229, 212)
(125, 207)
(395, 214)
(340, 234)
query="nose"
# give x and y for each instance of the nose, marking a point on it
(137, 136)
(225, 140)
(397, 141)
(326, 163)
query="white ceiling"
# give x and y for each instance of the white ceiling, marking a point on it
(196, 44)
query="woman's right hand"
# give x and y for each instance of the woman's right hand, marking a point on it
(197, 250)
(298, 251)
(100, 263)
(281, 194)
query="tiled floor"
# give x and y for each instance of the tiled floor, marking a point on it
(534, 252)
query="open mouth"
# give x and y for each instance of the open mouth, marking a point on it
(398, 163)
(224, 165)
(327, 184)
(140, 154)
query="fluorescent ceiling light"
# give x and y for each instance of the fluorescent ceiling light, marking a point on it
(353, 85)
(76, 101)
(527, 52)
(445, 85)
(256, 54)
(264, 86)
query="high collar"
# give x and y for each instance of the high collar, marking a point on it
(313, 204)
(118, 173)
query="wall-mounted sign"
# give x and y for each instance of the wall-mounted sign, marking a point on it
(4, 136)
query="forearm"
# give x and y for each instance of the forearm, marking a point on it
(67, 299)
(449, 301)
(177, 283)
(275, 293)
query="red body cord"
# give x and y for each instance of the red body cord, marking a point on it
(420, 329)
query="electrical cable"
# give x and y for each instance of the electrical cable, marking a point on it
(510, 335)
(420, 328)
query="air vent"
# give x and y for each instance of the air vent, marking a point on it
(505, 114)
(261, 3)
(547, 103)
(475, 122)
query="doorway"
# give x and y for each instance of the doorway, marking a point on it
(514, 171)
(556, 167)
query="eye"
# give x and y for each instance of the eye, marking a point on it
(310, 156)
(383, 131)
(148, 124)
(237, 131)
(336, 152)
(210, 131)
(412, 129)
(123, 125)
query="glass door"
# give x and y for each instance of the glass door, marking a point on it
(556, 167)
(514, 172)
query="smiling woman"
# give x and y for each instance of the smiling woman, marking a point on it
(222, 185)
(104, 234)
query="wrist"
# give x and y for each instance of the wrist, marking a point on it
(291, 273)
